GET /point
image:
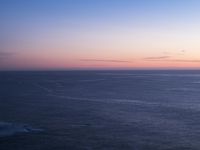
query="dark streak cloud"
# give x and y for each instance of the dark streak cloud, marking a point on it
(177, 60)
(185, 60)
(106, 60)
(156, 58)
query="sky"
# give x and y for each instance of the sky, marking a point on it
(99, 34)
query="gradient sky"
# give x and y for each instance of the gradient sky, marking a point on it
(99, 34)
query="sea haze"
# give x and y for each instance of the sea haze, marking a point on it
(100, 110)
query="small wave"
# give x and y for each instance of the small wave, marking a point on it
(196, 82)
(183, 89)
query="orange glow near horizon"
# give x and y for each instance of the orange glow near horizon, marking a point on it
(63, 62)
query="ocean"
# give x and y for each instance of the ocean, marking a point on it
(100, 110)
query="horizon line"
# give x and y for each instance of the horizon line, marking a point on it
(103, 69)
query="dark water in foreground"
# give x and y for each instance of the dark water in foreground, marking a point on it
(100, 110)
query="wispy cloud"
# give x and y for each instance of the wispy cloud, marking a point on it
(106, 60)
(166, 53)
(181, 52)
(168, 58)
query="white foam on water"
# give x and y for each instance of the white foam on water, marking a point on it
(9, 129)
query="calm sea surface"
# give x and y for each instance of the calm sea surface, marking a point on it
(100, 110)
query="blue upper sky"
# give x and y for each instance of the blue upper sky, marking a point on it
(70, 26)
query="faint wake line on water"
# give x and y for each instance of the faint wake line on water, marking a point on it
(195, 106)
(182, 105)
(107, 100)
(43, 88)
